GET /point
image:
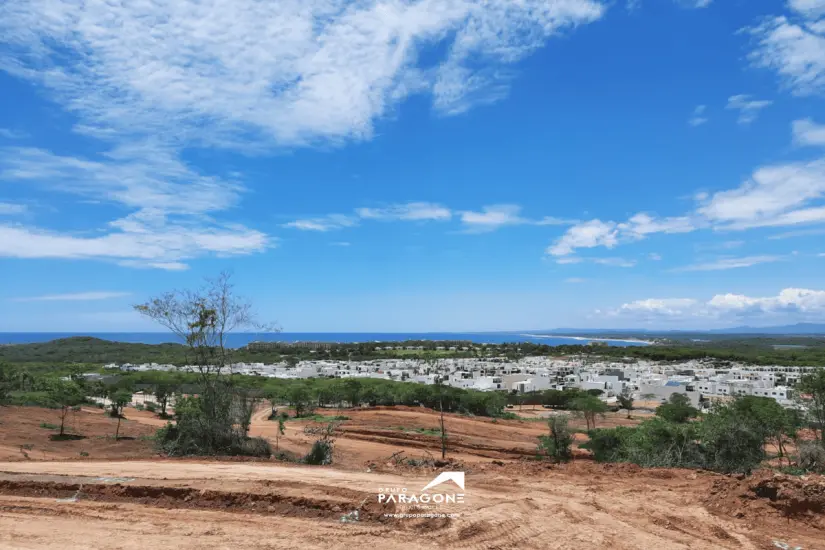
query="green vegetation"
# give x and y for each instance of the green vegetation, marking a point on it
(589, 406)
(730, 438)
(558, 444)
(678, 409)
(626, 402)
(64, 395)
(215, 419)
(93, 353)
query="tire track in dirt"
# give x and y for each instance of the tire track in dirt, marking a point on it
(189, 498)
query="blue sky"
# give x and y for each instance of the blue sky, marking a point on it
(415, 166)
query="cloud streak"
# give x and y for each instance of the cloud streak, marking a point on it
(75, 297)
(795, 302)
(290, 73)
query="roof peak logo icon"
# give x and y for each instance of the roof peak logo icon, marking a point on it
(455, 477)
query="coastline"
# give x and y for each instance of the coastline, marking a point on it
(593, 339)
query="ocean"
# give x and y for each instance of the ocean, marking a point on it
(240, 339)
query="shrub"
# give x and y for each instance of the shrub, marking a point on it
(255, 446)
(607, 444)
(558, 444)
(731, 441)
(151, 407)
(661, 444)
(47, 426)
(139, 406)
(678, 409)
(320, 454)
(811, 457)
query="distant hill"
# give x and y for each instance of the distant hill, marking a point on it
(799, 328)
(789, 330)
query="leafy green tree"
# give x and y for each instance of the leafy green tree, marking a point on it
(65, 395)
(558, 444)
(210, 423)
(300, 399)
(811, 388)
(280, 431)
(589, 407)
(7, 383)
(352, 391)
(625, 402)
(774, 422)
(119, 398)
(678, 409)
(732, 439)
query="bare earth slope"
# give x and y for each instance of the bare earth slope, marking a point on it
(510, 503)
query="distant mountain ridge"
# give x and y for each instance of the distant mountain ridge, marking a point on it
(796, 329)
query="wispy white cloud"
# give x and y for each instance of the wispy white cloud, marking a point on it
(615, 262)
(773, 196)
(779, 195)
(134, 242)
(730, 263)
(793, 47)
(658, 306)
(11, 134)
(596, 233)
(608, 261)
(413, 211)
(586, 235)
(340, 243)
(633, 5)
(698, 117)
(325, 223)
(654, 256)
(748, 108)
(809, 8)
(721, 245)
(575, 280)
(493, 217)
(9, 208)
(795, 302)
(293, 73)
(74, 297)
(152, 79)
(145, 176)
(172, 206)
(488, 219)
(807, 132)
(798, 233)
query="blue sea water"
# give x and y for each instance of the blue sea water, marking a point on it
(240, 339)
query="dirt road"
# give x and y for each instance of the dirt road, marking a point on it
(187, 504)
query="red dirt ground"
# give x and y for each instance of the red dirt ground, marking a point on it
(511, 501)
(23, 438)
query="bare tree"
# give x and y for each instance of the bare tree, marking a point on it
(434, 364)
(212, 422)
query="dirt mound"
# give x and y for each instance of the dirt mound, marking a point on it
(190, 498)
(769, 494)
(26, 433)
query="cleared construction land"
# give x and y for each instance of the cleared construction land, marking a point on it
(122, 495)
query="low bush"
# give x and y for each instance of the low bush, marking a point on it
(557, 445)
(811, 457)
(320, 454)
(607, 444)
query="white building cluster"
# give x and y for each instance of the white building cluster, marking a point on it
(651, 381)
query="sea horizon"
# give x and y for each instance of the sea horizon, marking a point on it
(240, 339)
